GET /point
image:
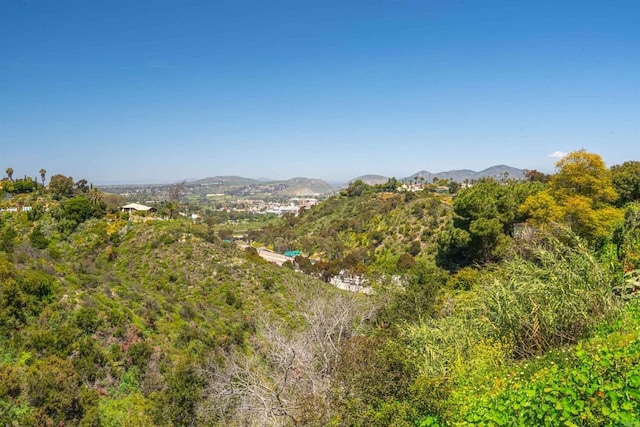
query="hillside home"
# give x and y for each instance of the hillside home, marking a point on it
(136, 207)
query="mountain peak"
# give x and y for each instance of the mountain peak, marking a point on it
(460, 175)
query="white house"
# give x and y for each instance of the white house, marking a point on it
(137, 207)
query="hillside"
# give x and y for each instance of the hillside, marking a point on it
(304, 187)
(236, 186)
(118, 318)
(371, 179)
(229, 181)
(364, 232)
(498, 172)
(291, 187)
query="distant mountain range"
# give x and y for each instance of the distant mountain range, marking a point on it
(498, 172)
(305, 186)
(292, 187)
(458, 175)
(371, 179)
(241, 186)
(233, 181)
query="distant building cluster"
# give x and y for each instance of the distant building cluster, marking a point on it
(293, 206)
(16, 209)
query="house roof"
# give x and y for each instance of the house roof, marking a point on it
(136, 207)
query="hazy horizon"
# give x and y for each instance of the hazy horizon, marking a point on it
(268, 179)
(164, 91)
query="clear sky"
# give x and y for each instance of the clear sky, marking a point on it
(143, 91)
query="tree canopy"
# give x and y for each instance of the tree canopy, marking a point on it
(580, 194)
(626, 181)
(61, 186)
(583, 174)
(483, 222)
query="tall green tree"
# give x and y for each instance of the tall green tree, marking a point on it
(79, 209)
(95, 196)
(26, 185)
(8, 236)
(81, 187)
(43, 174)
(356, 189)
(535, 175)
(9, 172)
(483, 222)
(61, 186)
(627, 238)
(626, 181)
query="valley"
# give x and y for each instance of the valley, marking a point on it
(393, 303)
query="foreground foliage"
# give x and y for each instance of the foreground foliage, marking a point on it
(596, 382)
(551, 293)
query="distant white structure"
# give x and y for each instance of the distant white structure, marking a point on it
(280, 210)
(411, 187)
(137, 207)
(351, 283)
(24, 209)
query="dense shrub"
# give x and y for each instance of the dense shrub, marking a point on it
(52, 387)
(38, 239)
(550, 293)
(553, 297)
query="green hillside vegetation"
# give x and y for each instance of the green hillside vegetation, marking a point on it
(507, 303)
(304, 187)
(479, 298)
(112, 322)
(364, 229)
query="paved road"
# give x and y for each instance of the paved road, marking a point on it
(273, 257)
(269, 255)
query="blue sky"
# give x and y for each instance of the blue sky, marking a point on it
(143, 91)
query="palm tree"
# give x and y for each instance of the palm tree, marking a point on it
(9, 172)
(95, 196)
(43, 174)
